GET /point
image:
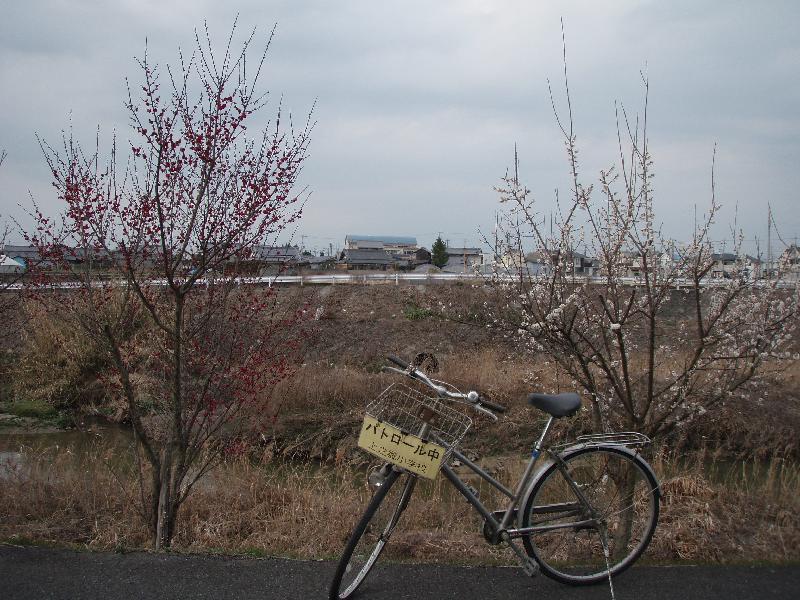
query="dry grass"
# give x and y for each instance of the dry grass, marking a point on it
(303, 510)
(320, 410)
(730, 511)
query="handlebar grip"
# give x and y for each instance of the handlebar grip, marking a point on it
(398, 361)
(489, 404)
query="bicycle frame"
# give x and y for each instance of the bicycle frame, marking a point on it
(501, 527)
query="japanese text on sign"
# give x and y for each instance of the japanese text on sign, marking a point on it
(404, 450)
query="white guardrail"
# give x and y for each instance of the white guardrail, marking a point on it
(397, 278)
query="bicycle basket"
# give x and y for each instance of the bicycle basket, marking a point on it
(401, 407)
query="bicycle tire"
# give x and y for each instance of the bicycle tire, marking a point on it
(371, 534)
(624, 493)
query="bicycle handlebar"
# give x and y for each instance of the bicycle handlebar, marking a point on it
(493, 405)
(478, 401)
(398, 361)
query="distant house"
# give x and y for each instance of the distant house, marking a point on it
(573, 263)
(512, 258)
(632, 263)
(422, 256)
(580, 264)
(22, 255)
(790, 263)
(538, 263)
(321, 263)
(463, 260)
(403, 262)
(669, 260)
(365, 258)
(394, 244)
(791, 255)
(28, 256)
(8, 266)
(725, 265)
(270, 259)
(275, 254)
(752, 267)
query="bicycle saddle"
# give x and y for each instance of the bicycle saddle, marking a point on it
(558, 405)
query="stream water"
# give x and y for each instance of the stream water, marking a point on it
(93, 438)
(97, 438)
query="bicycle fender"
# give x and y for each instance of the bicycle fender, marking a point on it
(529, 490)
(569, 451)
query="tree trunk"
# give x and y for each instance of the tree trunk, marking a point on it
(166, 507)
(625, 482)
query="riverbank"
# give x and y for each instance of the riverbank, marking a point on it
(262, 506)
(315, 414)
(730, 478)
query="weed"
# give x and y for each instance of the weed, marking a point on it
(34, 409)
(415, 313)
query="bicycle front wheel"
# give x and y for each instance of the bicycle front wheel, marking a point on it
(599, 521)
(372, 533)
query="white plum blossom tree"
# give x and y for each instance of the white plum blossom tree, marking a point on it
(650, 338)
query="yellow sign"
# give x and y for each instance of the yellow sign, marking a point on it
(402, 449)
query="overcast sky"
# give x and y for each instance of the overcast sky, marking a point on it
(419, 104)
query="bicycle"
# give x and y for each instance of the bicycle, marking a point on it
(585, 514)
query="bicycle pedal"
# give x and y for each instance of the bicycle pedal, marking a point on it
(528, 564)
(531, 567)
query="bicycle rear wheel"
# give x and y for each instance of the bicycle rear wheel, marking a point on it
(372, 533)
(619, 521)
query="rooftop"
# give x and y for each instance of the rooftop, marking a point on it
(459, 251)
(386, 239)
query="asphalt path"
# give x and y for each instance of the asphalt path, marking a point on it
(28, 573)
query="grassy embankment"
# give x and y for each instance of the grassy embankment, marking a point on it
(305, 510)
(303, 487)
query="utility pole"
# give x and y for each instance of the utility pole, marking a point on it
(759, 268)
(769, 240)
(496, 238)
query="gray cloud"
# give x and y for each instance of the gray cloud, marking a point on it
(420, 103)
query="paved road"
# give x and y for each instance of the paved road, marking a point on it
(41, 573)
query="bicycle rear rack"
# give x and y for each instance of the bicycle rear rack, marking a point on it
(629, 439)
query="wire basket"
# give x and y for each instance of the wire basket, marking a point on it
(401, 406)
